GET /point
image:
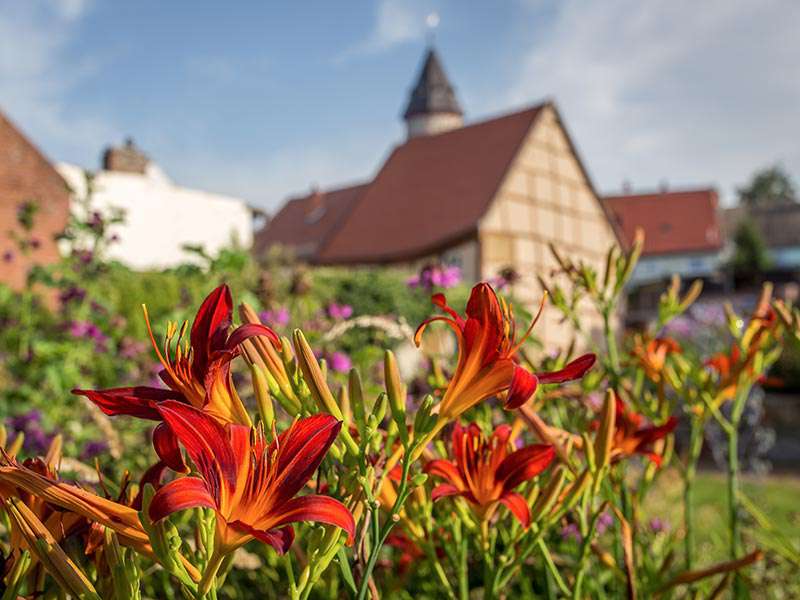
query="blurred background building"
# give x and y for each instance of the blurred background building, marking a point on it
(31, 191)
(161, 219)
(487, 196)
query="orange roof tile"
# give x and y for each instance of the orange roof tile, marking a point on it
(673, 222)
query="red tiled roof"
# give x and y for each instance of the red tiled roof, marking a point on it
(673, 222)
(431, 191)
(304, 224)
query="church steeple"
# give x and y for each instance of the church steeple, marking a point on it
(432, 107)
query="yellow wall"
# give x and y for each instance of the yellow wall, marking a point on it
(544, 198)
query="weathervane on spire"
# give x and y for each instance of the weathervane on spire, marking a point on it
(431, 23)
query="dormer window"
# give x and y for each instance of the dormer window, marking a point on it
(315, 214)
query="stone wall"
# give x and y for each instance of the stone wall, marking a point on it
(544, 199)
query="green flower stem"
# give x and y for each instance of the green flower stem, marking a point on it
(210, 574)
(463, 574)
(733, 484)
(551, 566)
(583, 562)
(695, 447)
(381, 533)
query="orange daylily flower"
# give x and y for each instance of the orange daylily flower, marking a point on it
(249, 483)
(487, 345)
(633, 435)
(485, 473)
(198, 374)
(653, 355)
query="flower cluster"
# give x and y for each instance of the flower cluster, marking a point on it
(493, 472)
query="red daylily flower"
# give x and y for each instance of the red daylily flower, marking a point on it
(198, 374)
(485, 473)
(632, 435)
(487, 346)
(250, 483)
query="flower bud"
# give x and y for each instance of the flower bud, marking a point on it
(263, 399)
(356, 392)
(419, 479)
(396, 392)
(549, 495)
(604, 438)
(44, 547)
(424, 421)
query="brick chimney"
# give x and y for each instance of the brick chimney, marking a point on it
(125, 159)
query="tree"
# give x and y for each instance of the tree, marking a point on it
(750, 256)
(768, 187)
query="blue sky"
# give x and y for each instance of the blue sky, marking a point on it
(261, 101)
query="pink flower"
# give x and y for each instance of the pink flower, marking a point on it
(340, 311)
(340, 362)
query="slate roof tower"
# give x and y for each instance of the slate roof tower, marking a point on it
(432, 106)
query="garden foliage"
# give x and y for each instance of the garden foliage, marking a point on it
(333, 434)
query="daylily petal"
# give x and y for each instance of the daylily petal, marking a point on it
(206, 442)
(524, 464)
(248, 330)
(210, 328)
(153, 477)
(443, 490)
(280, 539)
(573, 370)
(653, 433)
(301, 450)
(446, 470)
(518, 507)
(133, 401)
(319, 509)
(523, 386)
(166, 446)
(180, 494)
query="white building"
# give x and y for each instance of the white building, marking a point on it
(161, 218)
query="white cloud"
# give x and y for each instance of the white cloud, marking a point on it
(684, 91)
(36, 77)
(396, 22)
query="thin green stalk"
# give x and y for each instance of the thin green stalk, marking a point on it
(733, 485)
(210, 574)
(548, 561)
(583, 562)
(383, 533)
(463, 575)
(695, 447)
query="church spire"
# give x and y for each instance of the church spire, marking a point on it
(432, 106)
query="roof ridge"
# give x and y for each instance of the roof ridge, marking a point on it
(533, 108)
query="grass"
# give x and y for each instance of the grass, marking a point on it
(777, 497)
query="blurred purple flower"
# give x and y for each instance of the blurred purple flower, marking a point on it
(594, 400)
(571, 531)
(93, 449)
(339, 362)
(89, 331)
(37, 441)
(72, 294)
(339, 311)
(431, 276)
(27, 419)
(29, 423)
(96, 222)
(130, 348)
(657, 525)
(680, 327)
(35, 243)
(84, 256)
(277, 318)
(8, 256)
(604, 521)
